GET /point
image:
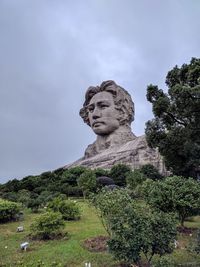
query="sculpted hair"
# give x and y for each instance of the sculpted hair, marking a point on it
(122, 100)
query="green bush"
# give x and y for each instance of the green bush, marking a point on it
(8, 210)
(141, 231)
(109, 203)
(87, 182)
(118, 173)
(68, 208)
(47, 226)
(174, 194)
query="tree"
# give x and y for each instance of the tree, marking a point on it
(109, 203)
(150, 172)
(118, 173)
(87, 182)
(24, 197)
(8, 210)
(135, 178)
(174, 194)
(175, 129)
(134, 181)
(47, 226)
(139, 232)
(69, 209)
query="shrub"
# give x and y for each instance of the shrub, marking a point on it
(134, 180)
(151, 172)
(8, 210)
(104, 181)
(141, 231)
(109, 203)
(87, 182)
(118, 173)
(174, 194)
(69, 209)
(34, 205)
(47, 226)
(74, 191)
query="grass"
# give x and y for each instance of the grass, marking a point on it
(71, 253)
(66, 252)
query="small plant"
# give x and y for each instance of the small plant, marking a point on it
(47, 226)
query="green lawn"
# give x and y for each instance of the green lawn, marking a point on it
(70, 252)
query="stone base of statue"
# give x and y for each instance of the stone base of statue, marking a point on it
(134, 153)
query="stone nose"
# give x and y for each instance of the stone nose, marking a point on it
(96, 113)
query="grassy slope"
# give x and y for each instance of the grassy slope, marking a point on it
(70, 252)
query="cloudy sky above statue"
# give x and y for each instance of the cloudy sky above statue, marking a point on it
(52, 51)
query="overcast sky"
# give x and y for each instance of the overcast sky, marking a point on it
(51, 51)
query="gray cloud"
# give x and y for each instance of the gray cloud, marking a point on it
(51, 51)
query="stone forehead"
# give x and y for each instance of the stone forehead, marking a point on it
(100, 96)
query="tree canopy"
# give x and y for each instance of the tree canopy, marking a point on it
(175, 128)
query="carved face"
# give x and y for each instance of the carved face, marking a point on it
(103, 116)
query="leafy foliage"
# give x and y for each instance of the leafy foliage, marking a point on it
(150, 172)
(68, 208)
(134, 179)
(47, 226)
(118, 173)
(8, 210)
(174, 194)
(104, 181)
(87, 182)
(109, 203)
(141, 231)
(175, 129)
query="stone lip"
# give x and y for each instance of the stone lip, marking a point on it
(133, 153)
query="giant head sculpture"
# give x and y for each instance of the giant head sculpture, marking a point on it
(107, 107)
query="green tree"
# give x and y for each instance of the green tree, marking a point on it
(118, 173)
(137, 231)
(135, 178)
(109, 203)
(49, 225)
(8, 210)
(174, 194)
(34, 205)
(87, 182)
(175, 129)
(24, 197)
(68, 208)
(150, 172)
(134, 181)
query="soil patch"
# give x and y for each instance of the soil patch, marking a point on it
(96, 244)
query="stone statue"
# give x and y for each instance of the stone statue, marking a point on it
(109, 110)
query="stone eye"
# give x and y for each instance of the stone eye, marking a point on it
(90, 109)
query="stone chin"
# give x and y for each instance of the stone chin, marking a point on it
(101, 128)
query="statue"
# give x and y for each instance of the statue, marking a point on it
(109, 110)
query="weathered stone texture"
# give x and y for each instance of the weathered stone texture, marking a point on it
(109, 110)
